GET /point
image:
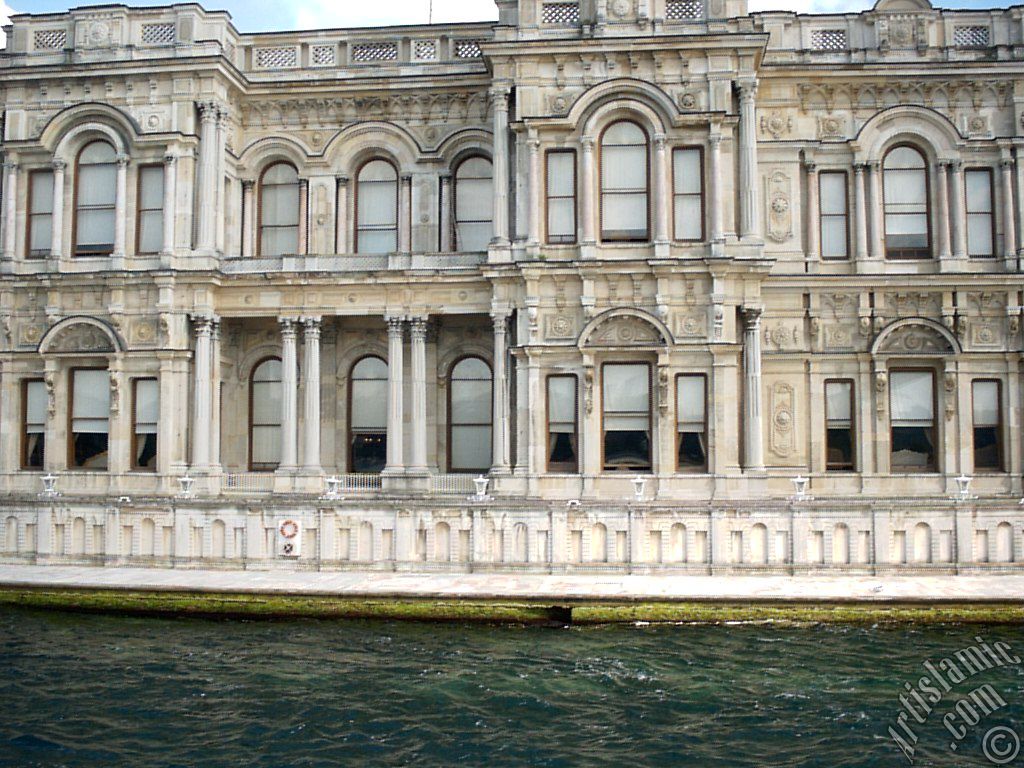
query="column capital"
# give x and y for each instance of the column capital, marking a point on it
(942, 164)
(341, 179)
(860, 168)
(751, 318)
(170, 158)
(10, 165)
(533, 143)
(248, 184)
(747, 88)
(288, 326)
(715, 139)
(311, 327)
(396, 325)
(418, 328)
(874, 165)
(1005, 163)
(660, 140)
(202, 324)
(810, 166)
(446, 178)
(406, 178)
(500, 320)
(208, 111)
(499, 97)
(956, 166)
(58, 164)
(588, 143)
(122, 161)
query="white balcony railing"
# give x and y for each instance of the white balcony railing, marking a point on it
(249, 482)
(359, 482)
(452, 485)
(394, 262)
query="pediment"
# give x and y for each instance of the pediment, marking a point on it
(916, 340)
(625, 331)
(80, 338)
(902, 6)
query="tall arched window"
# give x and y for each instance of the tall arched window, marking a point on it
(469, 416)
(474, 206)
(279, 210)
(905, 180)
(377, 208)
(95, 199)
(624, 183)
(368, 416)
(265, 404)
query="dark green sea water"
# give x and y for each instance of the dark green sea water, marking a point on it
(102, 691)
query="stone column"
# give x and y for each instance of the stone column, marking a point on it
(588, 201)
(57, 218)
(311, 395)
(860, 212)
(218, 180)
(396, 415)
(876, 212)
(1020, 200)
(166, 453)
(942, 230)
(499, 100)
(207, 183)
(752, 428)
(170, 202)
(662, 194)
(958, 209)
(813, 214)
(445, 225)
(715, 188)
(215, 405)
(248, 217)
(405, 215)
(289, 395)
(10, 209)
(121, 207)
(750, 211)
(202, 406)
(533, 213)
(1009, 212)
(303, 247)
(341, 216)
(499, 430)
(418, 333)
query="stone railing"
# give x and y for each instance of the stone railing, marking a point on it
(393, 262)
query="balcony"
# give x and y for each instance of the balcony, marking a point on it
(396, 262)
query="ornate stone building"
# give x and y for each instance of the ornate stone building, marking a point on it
(641, 263)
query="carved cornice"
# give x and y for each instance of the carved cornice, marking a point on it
(341, 110)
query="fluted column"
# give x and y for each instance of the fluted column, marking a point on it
(289, 395)
(219, 191)
(499, 431)
(311, 395)
(588, 202)
(752, 428)
(341, 214)
(1009, 225)
(445, 224)
(57, 218)
(215, 405)
(201, 410)
(10, 208)
(418, 333)
(121, 207)
(860, 211)
(876, 211)
(499, 100)
(248, 217)
(750, 218)
(662, 197)
(396, 413)
(170, 202)
(534, 182)
(813, 214)
(303, 246)
(958, 209)
(207, 171)
(715, 188)
(405, 215)
(1019, 165)
(942, 230)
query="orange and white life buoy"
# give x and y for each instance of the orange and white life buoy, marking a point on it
(289, 529)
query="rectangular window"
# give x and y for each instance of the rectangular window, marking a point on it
(988, 432)
(912, 421)
(691, 424)
(835, 224)
(40, 214)
(688, 193)
(146, 414)
(563, 435)
(150, 224)
(980, 218)
(90, 419)
(561, 194)
(839, 440)
(33, 404)
(626, 394)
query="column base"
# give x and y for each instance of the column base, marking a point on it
(588, 251)
(662, 249)
(417, 480)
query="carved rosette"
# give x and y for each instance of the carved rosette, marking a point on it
(782, 439)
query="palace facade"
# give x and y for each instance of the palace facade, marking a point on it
(277, 300)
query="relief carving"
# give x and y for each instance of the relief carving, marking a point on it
(624, 331)
(915, 340)
(782, 439)
(559, 327)
(79, 339)
(780, 210)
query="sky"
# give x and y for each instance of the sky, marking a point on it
(267, 15)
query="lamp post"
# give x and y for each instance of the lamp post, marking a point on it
(50, 486)
(333, 488)
(639, 488)
(800, 484)
(963, 487)
(186, 484)
(481, 484)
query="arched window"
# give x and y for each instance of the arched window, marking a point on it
(265, 404)
(368, 416)
(377, 208)
(905, 179)
(469, 416)
(624, 183)
(279, 210)
(95, 199)
(474, 207)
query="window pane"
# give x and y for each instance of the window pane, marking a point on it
(471, 402)
(97, 185)
(913, 448)
(986, 403)
(268, 370)
(266, 445)
(471, 448)
(147, 406)
(979, 234)
(626, 388)
(266, 403)
(378, 170)
(561, 218)
(42, 227)
(91, 394)
(560, 174)
(281, 173)
(911, 398)
(686, 172)
(42, 192)
(474, 236)
(690, 401)
(369, 452)
(151, 234)
(96, 228)
(906, 188)
(834, 243)
(98, 152)
(35, 406)
(624, 215)
(624, 133)
(369, 404)
(832, 193)
(562, 400)
(623, 168)
(838, 401)
(979, 191)
(688, 215)
(378, 203)
(151, 187)
(280, 205)
(371, 242)
(279, 241)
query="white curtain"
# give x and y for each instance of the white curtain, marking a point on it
(688, 194)
(97, 193)
(377, 207)
(624, 183)
(911, 399)
(369, 395)
(470, 415)
(561, 192)
(986, 404)
(474, 206)
(690, 402)
(41, 212)
(151, 209)
(834, 207)
(279, 211)
(147, 406)
(626, 393)
(91, 397)
(838, 403)
(979, 213)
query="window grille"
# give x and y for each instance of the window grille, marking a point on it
(363, 52)
(467, 49)
(828, 40)
(684, 10)
(971, 37)
(561, 14)
(425, 50)
(158, 34)
(277, 58)
(50, 39)
(323, 55)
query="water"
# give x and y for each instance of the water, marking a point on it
(104, 691)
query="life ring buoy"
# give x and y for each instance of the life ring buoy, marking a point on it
(289, 529)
